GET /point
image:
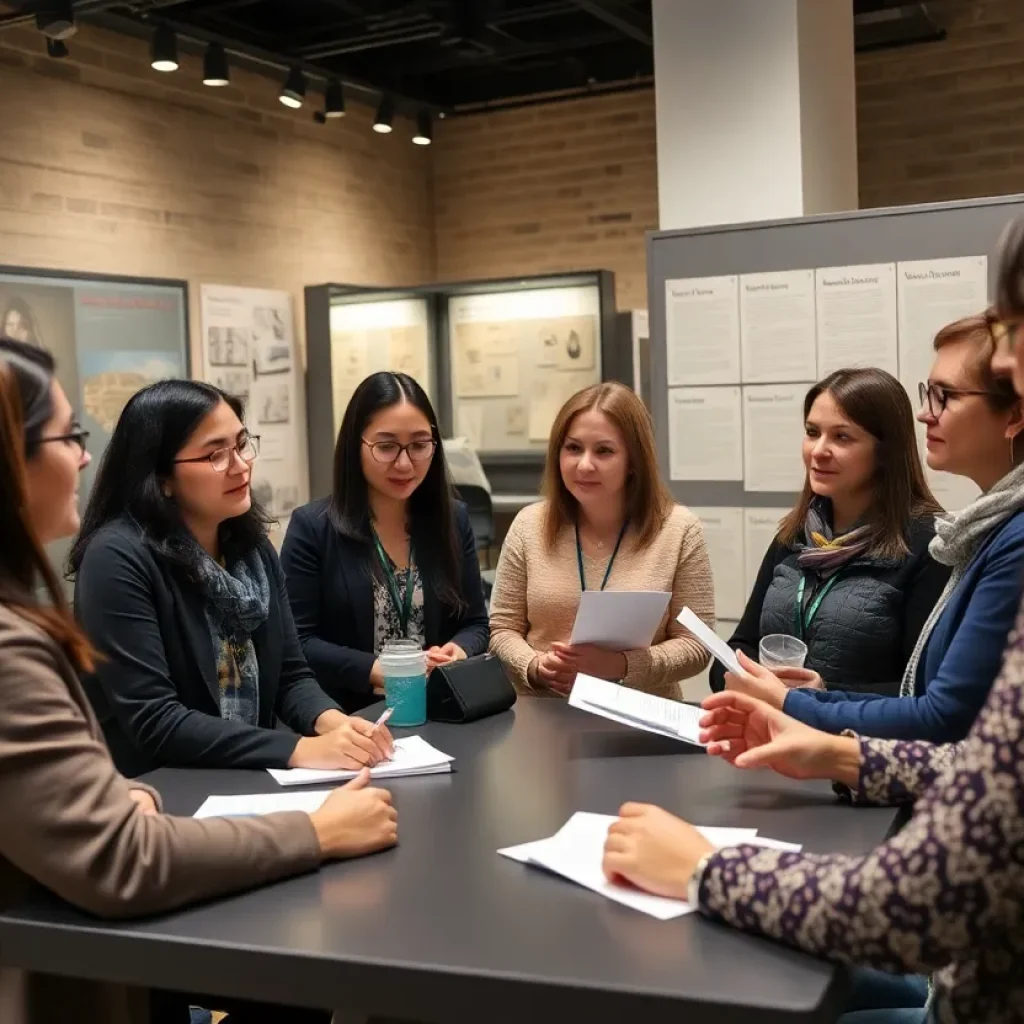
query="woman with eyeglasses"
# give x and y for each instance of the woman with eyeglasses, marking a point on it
(72, 823)
(390, 554)
(973, 419)
(183, 596)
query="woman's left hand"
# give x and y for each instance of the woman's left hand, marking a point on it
(144, 801)
(653, 850)
(444, 655)
(757, 681)
(593, 661)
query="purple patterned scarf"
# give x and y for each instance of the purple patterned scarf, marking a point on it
(821, 551)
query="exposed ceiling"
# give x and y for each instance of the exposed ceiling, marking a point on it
(454, 55)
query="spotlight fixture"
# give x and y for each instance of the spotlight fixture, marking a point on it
(163, 50)
(293, 92)
(424, 133)
(56, 48)
(56, 19)
(334, 99)
(385, 115)
(215, 66)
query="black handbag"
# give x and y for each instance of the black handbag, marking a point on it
(464, 691)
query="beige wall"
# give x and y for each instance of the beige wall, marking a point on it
(108, 166)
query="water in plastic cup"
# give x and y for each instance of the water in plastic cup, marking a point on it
(404, 666)
(779, 650)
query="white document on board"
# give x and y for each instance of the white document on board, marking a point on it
(760, 528)
(619, 620)
(712, 642)
(856, 311)
(777, 325)
(637, 709)
(723, 537)
(576, 852)
(773, 434)
(702, 330)
(705, 433)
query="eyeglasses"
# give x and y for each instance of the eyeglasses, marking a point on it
(247, 449)
(389, 451)
(936, 396)
(76, 435)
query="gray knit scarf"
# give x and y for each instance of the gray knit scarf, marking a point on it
(958, 535)
(237, 603)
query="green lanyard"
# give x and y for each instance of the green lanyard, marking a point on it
(403, 606)
(803, 622)
(611, 561)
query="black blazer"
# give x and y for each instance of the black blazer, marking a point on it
(332, 600)
(155, 690)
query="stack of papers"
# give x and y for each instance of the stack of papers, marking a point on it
(413, 756)
(262, 803)
(637, 709)
(576, 851)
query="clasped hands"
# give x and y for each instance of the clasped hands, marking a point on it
(652, 849)
(557, 669)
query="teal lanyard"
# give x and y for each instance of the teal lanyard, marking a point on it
(611, 561)
(803, 622)
(403, 606)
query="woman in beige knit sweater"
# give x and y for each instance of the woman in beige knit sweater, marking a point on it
(607, 522)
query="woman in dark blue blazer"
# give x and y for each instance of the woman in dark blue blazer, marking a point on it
(390, 555)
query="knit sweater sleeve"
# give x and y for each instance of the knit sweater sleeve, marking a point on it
(680, 655)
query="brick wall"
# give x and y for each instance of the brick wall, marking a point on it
(945, 120)
(548, 188)
(111, 167)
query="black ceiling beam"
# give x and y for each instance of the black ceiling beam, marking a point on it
(619, 18)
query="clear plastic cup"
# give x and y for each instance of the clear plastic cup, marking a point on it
(404, 667)
(779, 650)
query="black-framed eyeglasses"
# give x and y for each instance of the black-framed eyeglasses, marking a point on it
(247, 449)
(936, 396)
(74, 436)
(389, 451)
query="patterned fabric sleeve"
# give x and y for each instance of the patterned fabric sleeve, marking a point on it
(947, 888)
(896, 772)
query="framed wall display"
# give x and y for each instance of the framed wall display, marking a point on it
(110, 336)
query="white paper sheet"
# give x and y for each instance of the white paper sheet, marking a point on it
(576, 852)
(773, 432)
(777, 327)
(856, 313)
(619, 620)
(261, 803)
(723, 535)
(470, 418)
(702, 330)
(705, 433)
(760, 527)
(698, 687)
(712, 642)
(413, 756)
(931, 294)
(637, 709)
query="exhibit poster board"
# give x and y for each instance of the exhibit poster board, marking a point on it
(249, 350)
(516, 357)
(369, 335)
(110, 337)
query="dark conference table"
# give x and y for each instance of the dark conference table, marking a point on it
(443, 929)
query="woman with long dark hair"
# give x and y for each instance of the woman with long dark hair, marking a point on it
(390, 554)
(72, 823)
(952, 652)
(183, 595)
(849, 572)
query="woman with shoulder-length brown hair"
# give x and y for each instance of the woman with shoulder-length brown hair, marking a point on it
(607, 521)
(849, 572)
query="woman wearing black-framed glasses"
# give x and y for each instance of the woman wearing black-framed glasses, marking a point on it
(183, 594)
(390, 555)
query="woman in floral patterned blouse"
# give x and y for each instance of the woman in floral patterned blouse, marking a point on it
(944, 896)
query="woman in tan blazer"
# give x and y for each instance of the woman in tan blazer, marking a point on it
(607, 522)
(73, 823)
